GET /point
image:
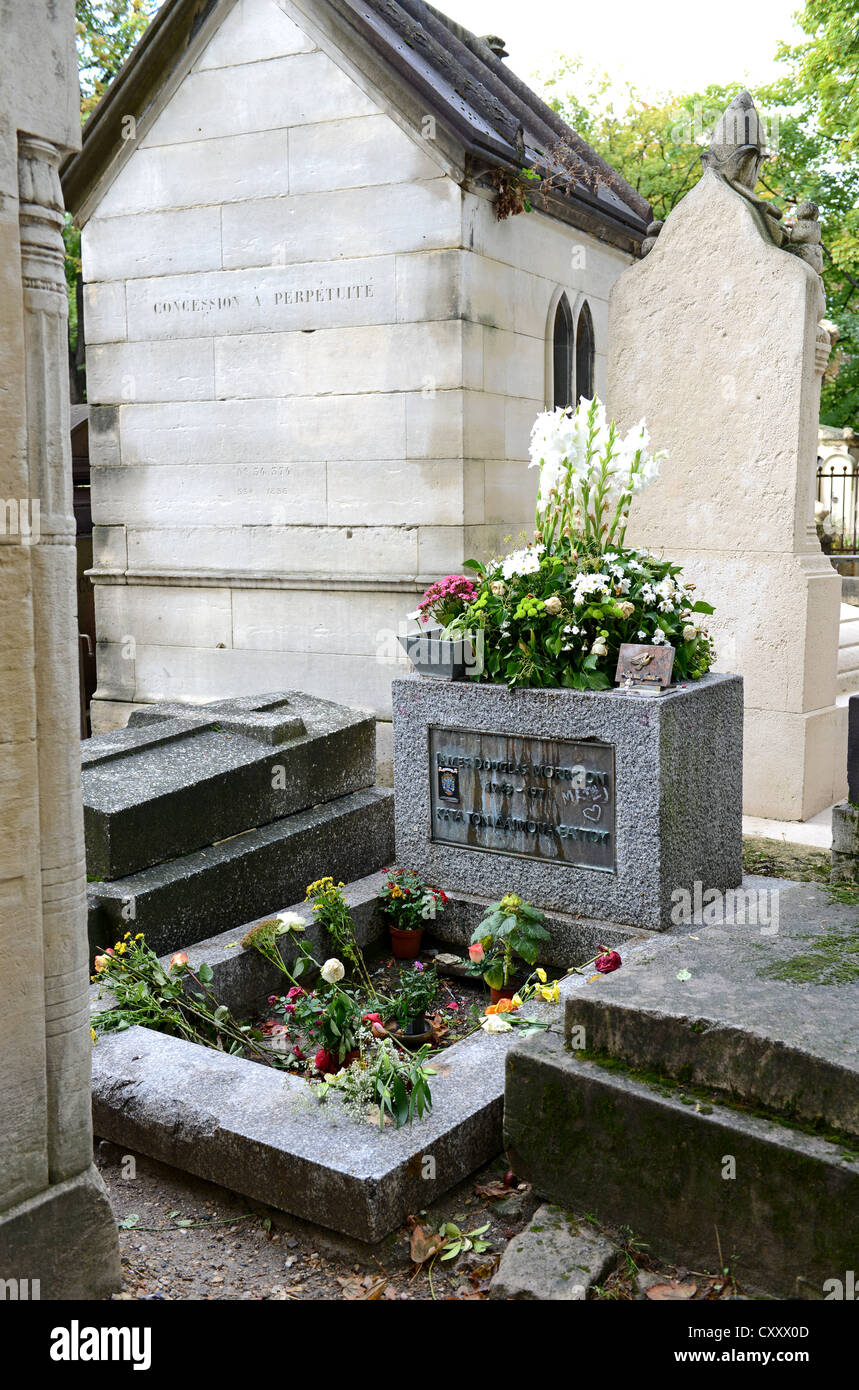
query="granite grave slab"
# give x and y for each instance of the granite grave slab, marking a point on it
(597, 803)
(180, 777)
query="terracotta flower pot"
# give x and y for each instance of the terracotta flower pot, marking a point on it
(506, 993)
(406, 945)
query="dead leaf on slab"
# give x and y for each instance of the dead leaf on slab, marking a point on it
(422, 1247)
(663, 1293)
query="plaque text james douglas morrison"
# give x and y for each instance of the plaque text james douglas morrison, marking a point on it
(541, 798)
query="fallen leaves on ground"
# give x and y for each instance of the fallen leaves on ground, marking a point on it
(672, 1291)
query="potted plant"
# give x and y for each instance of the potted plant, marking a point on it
(417, 993)
(432, 651)
(510, 928)
(555, 612)
(408, 904)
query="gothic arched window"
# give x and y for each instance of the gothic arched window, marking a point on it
(562, 354)
(584, 355)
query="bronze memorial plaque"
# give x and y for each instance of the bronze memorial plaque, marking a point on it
(535, 797)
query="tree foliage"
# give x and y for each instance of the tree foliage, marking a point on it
(107, 30)
(812, 118)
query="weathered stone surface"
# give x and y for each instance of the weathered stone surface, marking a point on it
(64, 1238)
(769, 1013)
(677, 783)
(595, 1140)
(264, 1133)
(845, 843)
(408, 353)
(247, 876)
(56, 1229)
(736, 322)
(184, 776)
(555, 1259)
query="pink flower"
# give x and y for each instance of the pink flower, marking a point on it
(453, 1006)
(294, 992)
(476, 952)
(178, 960)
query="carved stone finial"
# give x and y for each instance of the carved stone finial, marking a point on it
(735, 154)
(496, 44)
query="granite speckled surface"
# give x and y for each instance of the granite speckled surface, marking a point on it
(678, 790)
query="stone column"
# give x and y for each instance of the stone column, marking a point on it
(715, 337)
(56, 1226)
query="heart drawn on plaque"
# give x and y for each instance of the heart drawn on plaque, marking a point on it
(592, 813)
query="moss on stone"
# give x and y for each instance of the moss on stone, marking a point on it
(705, 1099)
(834, 960)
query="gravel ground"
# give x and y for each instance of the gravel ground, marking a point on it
(182, 1238)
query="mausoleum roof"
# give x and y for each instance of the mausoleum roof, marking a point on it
(499, 121)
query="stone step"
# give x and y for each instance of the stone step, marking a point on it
(184, 776)
(847, 683)
(848, 656)
(704, 1185)
(226, 885)
(763, 1007)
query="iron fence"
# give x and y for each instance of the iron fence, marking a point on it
(837, 511)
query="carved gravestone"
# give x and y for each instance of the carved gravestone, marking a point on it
(715, 338)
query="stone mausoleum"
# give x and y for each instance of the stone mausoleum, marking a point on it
(314, 352)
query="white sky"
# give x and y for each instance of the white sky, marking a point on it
(661, 45)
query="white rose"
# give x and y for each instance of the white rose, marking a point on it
(690, 632)
(599, 648)
(332, 971)
(553, 604)
(494, 1023)
(291, 921)
(497, 587)
(627, 609)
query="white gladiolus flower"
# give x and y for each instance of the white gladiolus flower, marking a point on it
(332, 971)
(587, 471)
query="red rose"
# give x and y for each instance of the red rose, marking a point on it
(608, 961)
(323, 1061)
(372, 1018)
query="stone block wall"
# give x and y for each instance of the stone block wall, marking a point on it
(313, 362)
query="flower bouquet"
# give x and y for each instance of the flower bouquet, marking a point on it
(556, 611)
